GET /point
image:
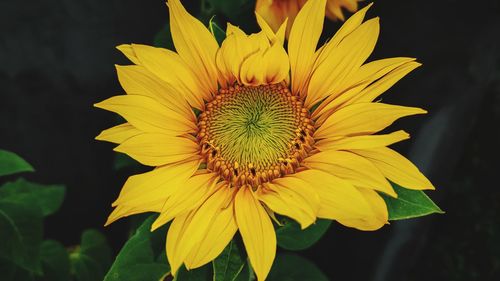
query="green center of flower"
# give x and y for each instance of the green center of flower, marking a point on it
(253, 134)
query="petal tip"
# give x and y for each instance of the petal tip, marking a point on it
(121, 47)
(99, 105)
(119, 148)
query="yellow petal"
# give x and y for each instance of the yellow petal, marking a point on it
(118, 134)
(344, 61)
(349, 166)
(195, 44)
(347, 28)
(293, 197)
(367, 74)
(378, 218)
(363, 119)
(182, 240)
(267, 66)
(265, 27)
(219, 234)
(176, 232)
(148, 192)
(233, 29)
(127, 50)
(374, 70)
(194, 192)
(339, 198)
(148, 115)
(157, 184)
(169, 67)
(252, 70)
(155, 149)
(376, 89)
(366, 88)
(275, 13)
(396, 167)
(304, 36)
(256, 230)
(277, 64)
(234, 50)
(280, 33)
(226, 76)
(251, 59)
(128, 210)
(361, 142)
(137, 80)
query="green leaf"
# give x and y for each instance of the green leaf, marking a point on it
(409, 204)
(228, 265)
(291, 267)
(203, 273)
(55, 261)
(246, 273)
(291, 237)
(218, 32)
(137, 259)
(123, 161)
(92, 259)
(11, 163)
(47, 197)
(11, 272)
(21, 232)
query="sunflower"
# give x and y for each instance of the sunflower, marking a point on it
(275, 12)
(242, 131)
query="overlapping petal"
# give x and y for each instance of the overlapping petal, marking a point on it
(193, 193)
(256, 230)
(119, 133)
(251, 60)
(148, 115)
(293, 197)
(157, 184)
(271, 35)
(361, 142)
(342, 62)
(304, 36)
(192, 229)
(168, 67)
(379, 214)
(368, 75)
(363, 119)
(220, 232)
(148, 191)
(156, 149)
(396, 167)
(339, 199)
(352, 167)
(195, 45)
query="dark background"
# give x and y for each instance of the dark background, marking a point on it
(57, 58)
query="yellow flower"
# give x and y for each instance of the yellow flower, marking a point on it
(280, 132)
(275, 12)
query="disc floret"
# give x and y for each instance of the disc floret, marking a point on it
(253, 134)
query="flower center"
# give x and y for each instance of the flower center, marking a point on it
(251, 135)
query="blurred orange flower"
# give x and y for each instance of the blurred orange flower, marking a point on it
(275, 12)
